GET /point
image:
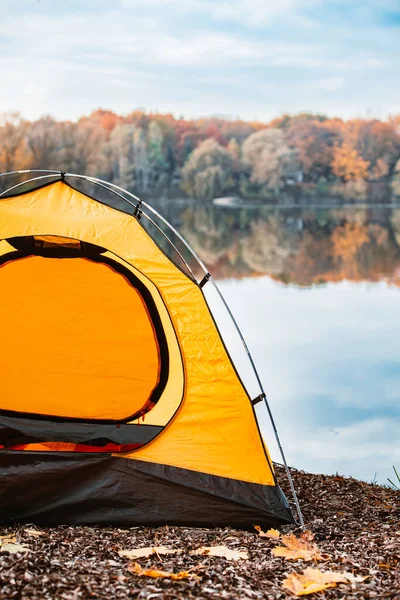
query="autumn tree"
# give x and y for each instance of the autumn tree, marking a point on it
(82, 147)
(104, 119)
(269, 158)
(119, 156)
(235, 152)
(44, 144)
(366, 150)
(13, 154)
(347, 164)
(208, 171)
(157, 156)
(377, 142)
(314, 141)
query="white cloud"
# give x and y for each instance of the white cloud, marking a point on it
(255, 13)
(91, 39)
(188, 58)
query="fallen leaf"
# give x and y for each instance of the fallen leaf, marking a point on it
(298, 548)
(155, 573)
(222, 551)
(7, 539)
(312, 580)
(145, 552)
(271, 533)
(12, 548)
(289, 554)
(33, 532)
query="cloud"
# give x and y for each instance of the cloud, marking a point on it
(250, 58)
(91, 39)
(255, 13)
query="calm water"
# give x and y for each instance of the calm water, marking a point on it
(316, 293)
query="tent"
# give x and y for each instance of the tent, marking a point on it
(119, 401)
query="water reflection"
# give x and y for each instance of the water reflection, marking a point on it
(329, 354)
(302, 246)
(330, 360)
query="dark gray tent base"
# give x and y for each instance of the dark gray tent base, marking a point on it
(52, 489)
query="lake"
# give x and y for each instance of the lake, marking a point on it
(316, 293)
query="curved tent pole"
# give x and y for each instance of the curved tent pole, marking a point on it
(250, 358)
(112, 188)
(171, 243)
(14, 187)
(30, 171)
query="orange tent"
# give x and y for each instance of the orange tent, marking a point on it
(119, 401)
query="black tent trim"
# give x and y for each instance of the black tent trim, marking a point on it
(104, 489)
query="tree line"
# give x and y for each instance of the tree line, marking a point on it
(156, 154)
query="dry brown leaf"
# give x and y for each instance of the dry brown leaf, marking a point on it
(7, 539)
(155, 573)
(12, 548)
(312, 580)
(34, 532)
(222, 551)
(145, 552)
(298, 548)
(271, 533)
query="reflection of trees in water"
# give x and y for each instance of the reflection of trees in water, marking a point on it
(302, 246)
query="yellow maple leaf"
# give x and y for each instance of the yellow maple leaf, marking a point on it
(157, 574)
(271, 533)
(221, 551)
(148, 551)
(298, 548)
(311, 581)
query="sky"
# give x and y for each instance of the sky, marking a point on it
(253, 59)
(328, 357)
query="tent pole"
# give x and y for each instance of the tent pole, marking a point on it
(14, 187)
(172, 244)
(30, 171)
(278, 441)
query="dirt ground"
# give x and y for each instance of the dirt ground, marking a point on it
(355, 523)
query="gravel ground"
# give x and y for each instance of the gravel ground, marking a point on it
(356, 523)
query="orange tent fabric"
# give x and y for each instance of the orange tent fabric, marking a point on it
(109, 345)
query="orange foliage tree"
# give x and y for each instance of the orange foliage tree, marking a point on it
(347, 164)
